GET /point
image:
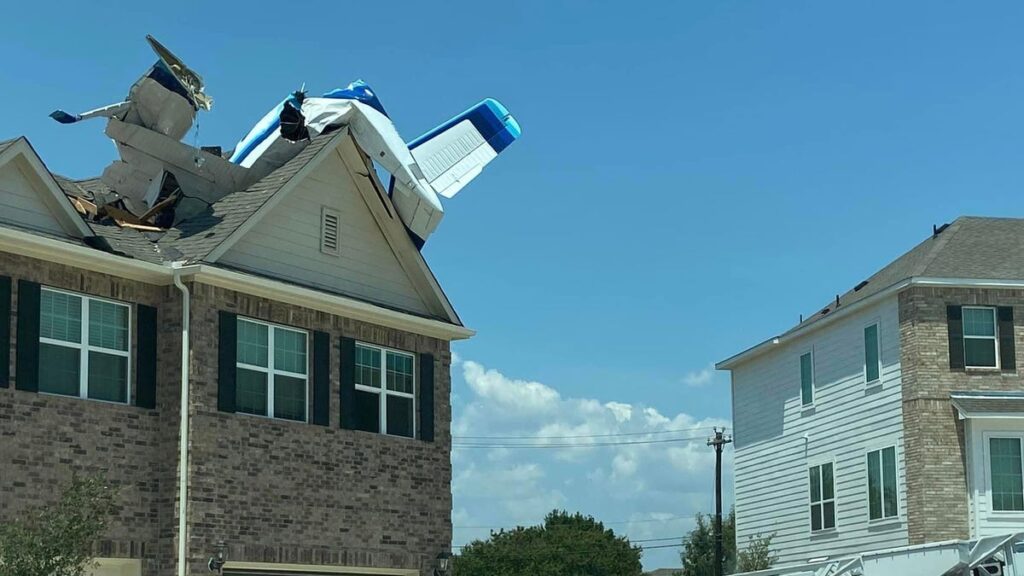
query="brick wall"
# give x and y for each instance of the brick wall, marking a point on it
(280, 491)
(934, 436)
(45, 440)
(274, 491)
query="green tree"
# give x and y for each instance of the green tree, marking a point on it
(698, 554)
(565, 545)
(57, 540)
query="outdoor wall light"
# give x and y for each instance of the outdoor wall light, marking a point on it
(444, 564)
(216, 563)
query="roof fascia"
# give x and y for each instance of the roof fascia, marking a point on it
(55, 198)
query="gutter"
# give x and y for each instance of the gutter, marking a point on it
(79, 256)
(843, 311)
(186, 304)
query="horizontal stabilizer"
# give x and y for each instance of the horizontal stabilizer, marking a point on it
(63, 117)
(456, 152)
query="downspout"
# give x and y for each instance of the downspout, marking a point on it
(183, 432)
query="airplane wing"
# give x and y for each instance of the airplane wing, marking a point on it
(456, 152)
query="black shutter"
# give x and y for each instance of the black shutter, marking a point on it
(1007, 352)
(26, 376)
(348, 383)
(321, 378)
(427, 397)
(955, 326)
(145, 356)
(227, 356)
(5, 331)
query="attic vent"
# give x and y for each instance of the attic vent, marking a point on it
(329, 231)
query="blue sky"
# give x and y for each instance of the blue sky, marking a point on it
(692, 177)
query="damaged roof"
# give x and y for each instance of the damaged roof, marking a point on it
(194, 238)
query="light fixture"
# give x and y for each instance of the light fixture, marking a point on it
(219, 558)
(444, 564)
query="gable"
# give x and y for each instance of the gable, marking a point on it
(286, 243)
(29, 196)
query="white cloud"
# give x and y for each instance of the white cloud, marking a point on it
(701, 377)
(638, 477)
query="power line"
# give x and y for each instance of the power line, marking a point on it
(580, 435)
(577, 445)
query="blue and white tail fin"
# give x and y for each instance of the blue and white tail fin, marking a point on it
(456, 152)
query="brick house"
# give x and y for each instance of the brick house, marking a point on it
(893, 416)
(311, 337)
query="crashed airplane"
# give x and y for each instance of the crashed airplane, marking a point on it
(160, 180)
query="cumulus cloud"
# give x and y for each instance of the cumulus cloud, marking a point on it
(702, 377)
(605, 457)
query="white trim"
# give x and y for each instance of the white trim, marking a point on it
(846, 309)
(72, 254)
(316, 569)
(986, 447)
(383, 392)
(270, 371)
(56, 201)
(84, 347)
(78, 256)
(994, 338)
(883, 519)
(800, 366)
(818, 462)
(876, 322)
(324, 302)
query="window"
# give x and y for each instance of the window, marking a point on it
(83, 346)
(807, 379)
(823, 499)
(329, 231)
(273, 371)
(872, 354)
(882, 499)
(1005, 464)
(980, 343)
(385, 391)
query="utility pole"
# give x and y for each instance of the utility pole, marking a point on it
(718, 442)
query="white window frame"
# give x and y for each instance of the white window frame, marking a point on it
(271, 371)
(800, 368)
(881, 470)
(994, 338)
(84, 347)
(987, 447)
(383, 391)
(818, 463)
(878, 344)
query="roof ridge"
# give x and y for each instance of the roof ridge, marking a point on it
(941, 240)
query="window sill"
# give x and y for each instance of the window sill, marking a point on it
(86, 398)
(824, 534)
(982, 369)
(807, 409)
(885, 523)
(270, 418)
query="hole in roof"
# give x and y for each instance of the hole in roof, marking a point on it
(210, 234)
(860, 285)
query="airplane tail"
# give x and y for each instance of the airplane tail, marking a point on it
(456, 152)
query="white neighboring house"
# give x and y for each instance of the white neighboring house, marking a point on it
(894, 416)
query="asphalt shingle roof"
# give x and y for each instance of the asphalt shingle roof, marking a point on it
(988, 402)
(971, 247)
(193, 239)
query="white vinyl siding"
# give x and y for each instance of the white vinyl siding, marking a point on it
(288, 243)
(777, 438)
(21, 200)
(84, 346)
